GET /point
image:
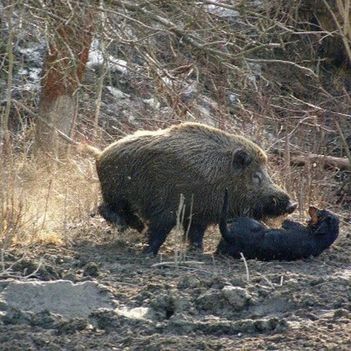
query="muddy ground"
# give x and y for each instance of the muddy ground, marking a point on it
(171, 302)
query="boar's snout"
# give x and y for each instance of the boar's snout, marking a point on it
(274, 206)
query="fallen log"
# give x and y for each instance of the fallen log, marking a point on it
(328, 162)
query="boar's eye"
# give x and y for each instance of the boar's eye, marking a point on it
(257, 178)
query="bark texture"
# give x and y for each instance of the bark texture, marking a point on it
(64, 67)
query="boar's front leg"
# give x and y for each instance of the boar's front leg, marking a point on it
(195, 235)
(110, 214)
(157, 233)
(121, 214)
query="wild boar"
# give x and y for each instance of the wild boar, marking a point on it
(143, 175)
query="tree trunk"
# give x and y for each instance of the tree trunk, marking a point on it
(68, 48)
(5, 115)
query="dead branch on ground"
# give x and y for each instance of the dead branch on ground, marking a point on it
(328, 162)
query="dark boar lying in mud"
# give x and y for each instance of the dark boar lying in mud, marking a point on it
(143, 175)
(292, 242)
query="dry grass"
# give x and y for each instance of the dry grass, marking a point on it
(41, 201)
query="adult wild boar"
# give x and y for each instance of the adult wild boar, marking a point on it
(143, 175)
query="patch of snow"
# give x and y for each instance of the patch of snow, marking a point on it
(118, 94)
(223, 12)
(33, 53)
(96, 59)
(34, 74)
(22, 71)
(233, 98)
(118, 65)
(154, 103)
(130, 118)
(31, 87)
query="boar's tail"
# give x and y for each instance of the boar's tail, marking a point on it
(223, 220)
(88, 149)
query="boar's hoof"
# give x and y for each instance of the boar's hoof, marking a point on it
(196, 247)
(150, 251)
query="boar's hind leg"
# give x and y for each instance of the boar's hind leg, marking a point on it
(157, 233)
(195, 235)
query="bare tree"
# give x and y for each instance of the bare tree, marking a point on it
(69, 35)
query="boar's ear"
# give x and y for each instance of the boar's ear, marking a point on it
(313, 212)
(241, 158)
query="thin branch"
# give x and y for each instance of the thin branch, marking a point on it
(318, 108)
(308, 71)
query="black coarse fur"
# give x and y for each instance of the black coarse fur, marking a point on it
(292, 242)
(143, 175)
(123, 219)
